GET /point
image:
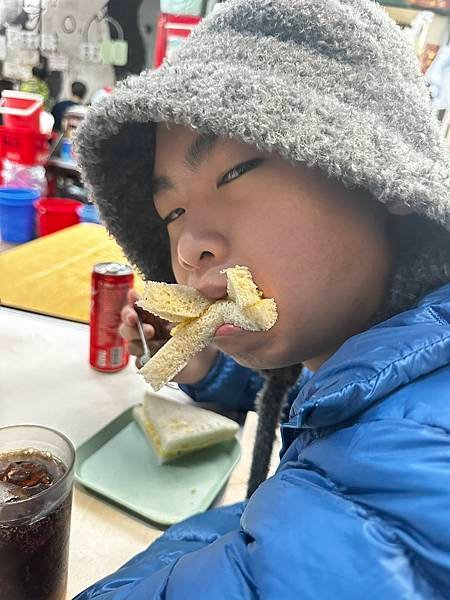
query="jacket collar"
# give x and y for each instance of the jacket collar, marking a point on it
(374, 363)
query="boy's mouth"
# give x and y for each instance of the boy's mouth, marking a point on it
(227, 329)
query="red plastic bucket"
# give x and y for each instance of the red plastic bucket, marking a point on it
(21, 110)
(24, 147)
(54, 214)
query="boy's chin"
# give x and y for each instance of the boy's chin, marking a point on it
(257, 350)
(261, 363)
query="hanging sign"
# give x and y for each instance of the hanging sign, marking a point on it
(114, 52)
(58, 62)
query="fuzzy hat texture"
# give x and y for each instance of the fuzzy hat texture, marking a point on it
(328, 83)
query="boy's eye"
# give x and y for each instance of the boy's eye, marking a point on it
(239, 170)
(229, 176)
(174, 214)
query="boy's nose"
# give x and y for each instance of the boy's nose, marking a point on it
(194, 263)
(197, 254)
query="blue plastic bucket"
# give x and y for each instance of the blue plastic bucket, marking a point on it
(88, 213)
(17, 214)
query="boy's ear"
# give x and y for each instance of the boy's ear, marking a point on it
(397, 210)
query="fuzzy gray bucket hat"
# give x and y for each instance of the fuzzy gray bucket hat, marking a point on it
(329, 83)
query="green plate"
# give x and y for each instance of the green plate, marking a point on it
(118, 463)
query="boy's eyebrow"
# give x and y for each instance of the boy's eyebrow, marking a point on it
(195, 154)
(161, 184)
(200, 148)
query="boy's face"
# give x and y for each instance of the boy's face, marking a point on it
(320, 250)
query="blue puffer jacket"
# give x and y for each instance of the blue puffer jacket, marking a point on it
(360, 504)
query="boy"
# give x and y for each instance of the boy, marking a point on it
(295, 137)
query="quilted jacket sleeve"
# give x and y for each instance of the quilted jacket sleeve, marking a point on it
(228, 384)
(302, 535)
(132, 580)
(233, 386)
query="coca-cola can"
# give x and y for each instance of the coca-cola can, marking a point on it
(110, 284)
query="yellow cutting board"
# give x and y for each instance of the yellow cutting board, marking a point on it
(52, 275)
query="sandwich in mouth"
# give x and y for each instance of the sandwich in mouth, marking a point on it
(198, 319)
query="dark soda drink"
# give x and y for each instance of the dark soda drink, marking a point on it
(35, 506)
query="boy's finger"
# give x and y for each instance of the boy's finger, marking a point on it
(128, 315)
(132, 296)
(149, 331)
(128, 333)
(131, 333)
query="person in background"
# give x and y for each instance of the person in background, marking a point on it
(37, 85)
(78, 95)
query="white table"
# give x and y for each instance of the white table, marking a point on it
(45, 378)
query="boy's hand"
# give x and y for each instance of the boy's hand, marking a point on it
(157, 332)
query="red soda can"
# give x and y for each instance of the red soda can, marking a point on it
(108, 351)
